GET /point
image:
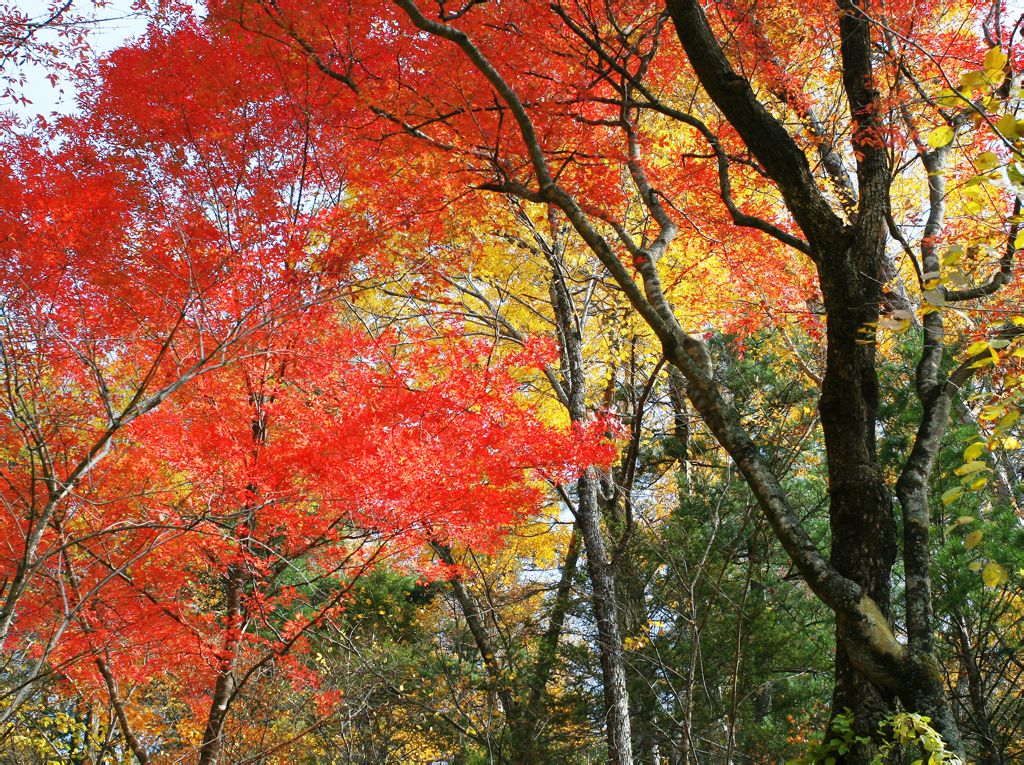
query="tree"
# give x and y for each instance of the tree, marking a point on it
(171, 313)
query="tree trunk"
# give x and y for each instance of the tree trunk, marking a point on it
(209, 751)
(609, 635)
(864, 540)
(588, 519)
(978, 696)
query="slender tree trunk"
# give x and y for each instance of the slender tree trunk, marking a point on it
(209, 751)
(122, 717)
(588, 519)
(609, 635)
(978, 697)
(103, 665)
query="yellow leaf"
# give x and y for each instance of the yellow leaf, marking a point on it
(1007, 125)
(940, 136)
(971, 540)
(995, 59)
(970, 467)
(952, 495)
(894, 324)
(991, 412)
(1011, 442)
(975, 348)
(987, 160)
(1009, 420)
(974, 451)
(974, 566)
(971, 79)
(994, 575)
(953, 255)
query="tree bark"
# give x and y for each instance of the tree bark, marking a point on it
(588, 520)
(223, 690)
(851, 265)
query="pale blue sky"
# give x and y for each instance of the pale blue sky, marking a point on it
(115, 23)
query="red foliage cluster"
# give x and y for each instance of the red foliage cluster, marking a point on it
(201, 449)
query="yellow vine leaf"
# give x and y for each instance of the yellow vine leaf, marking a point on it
(952, 495)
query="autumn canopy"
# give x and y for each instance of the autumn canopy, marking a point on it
(494, 381)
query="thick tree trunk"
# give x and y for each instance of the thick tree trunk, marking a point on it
(872, 667)
(864, 538)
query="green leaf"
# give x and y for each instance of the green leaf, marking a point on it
(1014, 173)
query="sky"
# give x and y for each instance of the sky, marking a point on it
(115, 23)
